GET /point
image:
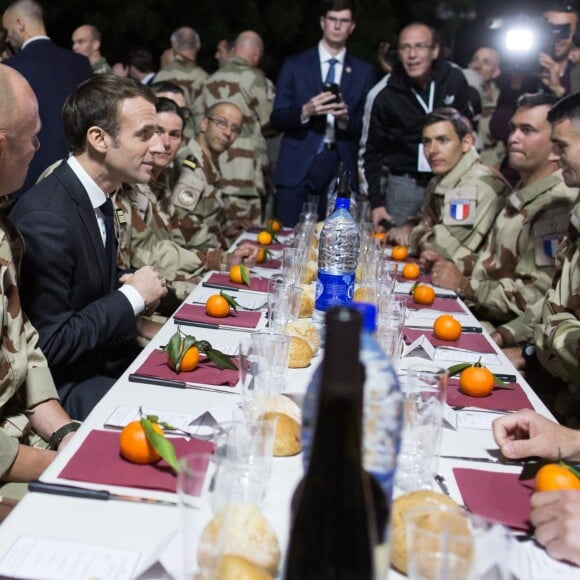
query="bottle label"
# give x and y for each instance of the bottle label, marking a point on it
(333, 290)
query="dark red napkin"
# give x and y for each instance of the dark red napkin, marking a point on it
(508, 398)
(274, 264)
(98, 460)
(196, 313)
(207, 373)
(443, 304)
(473, 341)
(223, 281)
(423, 278)
(498, 497)
(282, 232)
(272, 246)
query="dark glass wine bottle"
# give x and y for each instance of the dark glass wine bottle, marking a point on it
(333, 533)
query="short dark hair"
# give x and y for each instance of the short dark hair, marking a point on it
(566, 108)
(166, 87)
(95, 102)
(141, 59)
(530, 100)
(165, 105)
(336, 6)
(434, 32)
(568, 6)
(461, 124)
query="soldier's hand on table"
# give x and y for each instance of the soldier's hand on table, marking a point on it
(245, 253)
(428, 258)
(527, 434)
(379, 214)
(446, 274)
(556, 518)
(514, 355)
(400, 235)
(149, 283)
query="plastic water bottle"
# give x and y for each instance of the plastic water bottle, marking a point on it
(338, 250)
(382, 408)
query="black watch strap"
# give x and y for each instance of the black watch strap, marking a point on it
(61, 433)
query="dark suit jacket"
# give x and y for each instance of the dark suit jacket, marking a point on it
(298, 82)
(67, 290)
(53, 74)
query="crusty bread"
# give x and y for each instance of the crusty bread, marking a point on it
(237, 568)
(300, 353)
(306, 330)
(400, 508)
(287, 436)
(283, 404)
(307, 301)
(243, 531)
(310, 272)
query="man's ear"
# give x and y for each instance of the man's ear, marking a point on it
(436, 49)
(3, 145)
(203, 124)
(98, 139)
(467, 142)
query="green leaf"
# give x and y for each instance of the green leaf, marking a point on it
(412, 289)
(160, 443)
(230, 300)
(152, 418)
(245, 274)
(221, 359)
(456, 369)
(166, 426)
(499, 382)
(571, 468)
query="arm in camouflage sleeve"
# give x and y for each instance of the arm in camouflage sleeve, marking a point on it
(521, 329)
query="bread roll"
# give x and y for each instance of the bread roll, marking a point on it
(300, 353)
(306, 330)
(246, 533)
(283, 404)
(287, 436)
(238, 568)
(400, 507)
(306, 301)
(310, 272)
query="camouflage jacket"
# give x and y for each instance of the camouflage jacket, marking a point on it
(25, 379)
(102, 66)
(515, 267)
(245, 86)
(558, 334)
(199, 217)
(144, 235)
(470, 194)
(185, 74)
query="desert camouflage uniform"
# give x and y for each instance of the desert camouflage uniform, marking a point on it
(483, 189)
(144, 235)
(102, 66)
(514, 270)
(25, 380)
(243, 164)
(199, 218)
(186, 74)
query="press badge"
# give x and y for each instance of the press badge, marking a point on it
(460, 206)
(422, 163)
(548, 234)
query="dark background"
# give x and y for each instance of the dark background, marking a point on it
(287, 26)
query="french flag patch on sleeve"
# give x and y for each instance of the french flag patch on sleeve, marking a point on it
(459, 210)
(551, 244)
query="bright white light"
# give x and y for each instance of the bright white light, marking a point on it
(519, 39)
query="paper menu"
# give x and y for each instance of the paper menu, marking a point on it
(34, 557)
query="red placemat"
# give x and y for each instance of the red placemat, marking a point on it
(508, 398)
(274, 264)
(272, 246)
(473, 341)
(423, 278)
(223, 281)
(442, 304)
(196, 313)
(207, 373)
(98, 460)
(498, 497)
(282, 232)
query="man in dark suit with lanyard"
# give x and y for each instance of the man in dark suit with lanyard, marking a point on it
(52, 72)
(321, 123)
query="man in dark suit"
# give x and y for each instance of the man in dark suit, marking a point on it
(320, 130)
(52, 72)
(70, 282)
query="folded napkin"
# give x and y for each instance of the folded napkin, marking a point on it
(272, 246)
(98, 460)
(207, 373)
(508, 398)
(495, 496)
(282, 232)
(223, 281)
(196, 313)
(442, 304)
(473, 341)
(274, 264)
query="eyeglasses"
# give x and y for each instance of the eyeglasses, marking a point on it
(339, 21)
(225, 124)
(423, 47)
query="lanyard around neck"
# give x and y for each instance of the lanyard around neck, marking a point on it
(426, 108)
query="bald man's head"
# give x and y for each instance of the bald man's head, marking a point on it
(22, 20)
(250, 47)
(19, 127)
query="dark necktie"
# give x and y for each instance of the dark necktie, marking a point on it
(107, 210)
(329, 79)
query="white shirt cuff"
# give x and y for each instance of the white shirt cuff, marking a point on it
(134, 298)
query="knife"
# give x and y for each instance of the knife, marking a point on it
(484, 460)
(160, 382)
(211, 326)
(474, 329)
(85, 493)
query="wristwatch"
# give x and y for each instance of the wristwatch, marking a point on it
(61, 433)
(529, 355)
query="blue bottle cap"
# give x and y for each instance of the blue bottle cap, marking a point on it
(369, 314)
(342, 203)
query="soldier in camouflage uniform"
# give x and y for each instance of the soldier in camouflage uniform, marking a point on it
(144, 221)
(242, 166)
(461, 201)
(86, 40)
(515, 267)
(29, 409)
(199, 208)
(183, 70)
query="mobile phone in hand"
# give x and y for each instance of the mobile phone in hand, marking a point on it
(334, 89)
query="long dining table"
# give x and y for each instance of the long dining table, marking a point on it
(133, 531)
